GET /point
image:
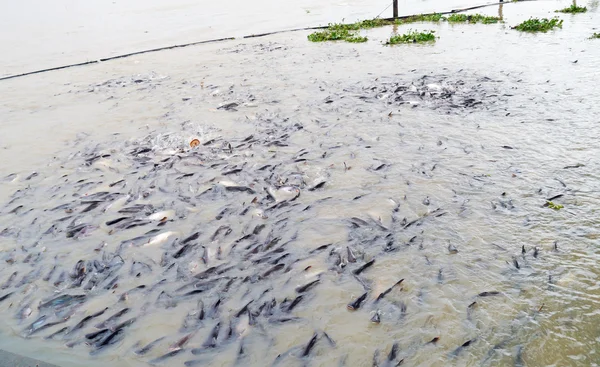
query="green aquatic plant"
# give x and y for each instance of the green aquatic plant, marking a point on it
(551, 205)
(422, 18)
(412, 37)
(473, 18)
(539, 25)
(595, 35)
(348, 32)
(573, 9)
(356, 39)
(329, 35)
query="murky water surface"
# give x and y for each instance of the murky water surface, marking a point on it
(346, 204)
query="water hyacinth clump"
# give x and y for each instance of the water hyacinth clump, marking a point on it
(412, 37)
(595, 35)
(573, 9)
(539, 25)
(473, 18)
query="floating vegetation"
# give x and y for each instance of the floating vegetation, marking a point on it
(348, 32)
(422, 18)
(573, 9)
(412, 37)
(472, 18)
(595, 35)
(539, 25)
(551, 205)
(331, 35)
(356, 39)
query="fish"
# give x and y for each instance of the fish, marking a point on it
(355, 305)
(384, 293)
(9, 280)
(272, 270)
(307, 287)
(63, 301)
(181, 342)
(470, 309)
(376, 318)
(351, 256)
(463, 346)
(363, 267)
(85, 320)
(109, 339)
(112, 318)
(294, 303)
(393, 352)
(452, 249)
(160, 239)
(56, 333)
(166, 356)
(6, 296)
(211, 341)
(145, 349)
(488, 294)
(310, 345)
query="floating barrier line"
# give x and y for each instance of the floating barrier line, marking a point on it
(232, 38)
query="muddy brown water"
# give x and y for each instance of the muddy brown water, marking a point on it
(481, 127)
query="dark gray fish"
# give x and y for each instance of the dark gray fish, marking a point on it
(184, 250)
(384, 293)
(393, 352)
(6, 296)
(211, 341)
(44, 326)
(516, 263)
(434, 340)
(145, 349)
(463, 346)
(49, 275)
(97, 334)
(181, 342)
(192, 237)
(351, 256)
(310, 345)
(110, 339)
(376, 318)
(317, 186)
(9, 280)
(470, 309)
(307, 287)
(85, 320)
(113, 318)
(320, 248)
(112, 284)
(222, 229)
(488, 294)
(56, 333)
(535, 252)
(364, 267)
(124, 324)
(243, 310)
(272, 270)
(355, 305)
(294, 303)
(63, 301)
(166, 356)
(519, 357)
